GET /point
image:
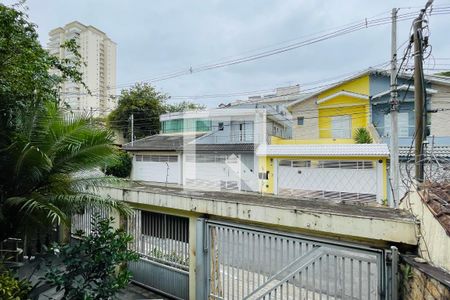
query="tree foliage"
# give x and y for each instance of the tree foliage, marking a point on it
(46, 158)
(362, 136)
(48, 169)
(146, 104)
(121, 167)
(184, 106)
(91, 268)
(25, 80)
(12, 288)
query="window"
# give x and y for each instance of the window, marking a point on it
(301, 164)
(403, 124)
(157, 158)
(336, 164)
(300, 120)
(285, 163)
(341, 126)
(221, 126)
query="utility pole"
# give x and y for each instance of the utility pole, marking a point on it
(394, 165)
(132, 129)
(419, 94)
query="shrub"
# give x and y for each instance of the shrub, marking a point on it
(93, 268)
(13, 289)
(120, 168)
(362, 136)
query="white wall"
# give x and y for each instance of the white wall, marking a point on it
(434, 243)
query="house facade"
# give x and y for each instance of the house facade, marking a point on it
(322, 160)
(300, 169)
(363, 101)
(212, 149)
(158, 158)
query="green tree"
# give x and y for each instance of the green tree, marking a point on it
(184, 106)
(145, 103)
(120, 168)
(93, 267)
(25, 80)
(45, 157)
(50, 170)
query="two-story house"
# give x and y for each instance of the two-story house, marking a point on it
(330, 118)
(322, 160)
(211, 149)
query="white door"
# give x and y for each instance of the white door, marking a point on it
(328, 179)
(156, 168)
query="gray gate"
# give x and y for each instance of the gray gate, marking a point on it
(252, 263)
(162, 242)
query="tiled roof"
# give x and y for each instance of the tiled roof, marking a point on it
(438, 152)
(161, 142)
(323, 150)
(438, 200)
(229, 148)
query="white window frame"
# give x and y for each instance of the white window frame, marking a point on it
(341, 127)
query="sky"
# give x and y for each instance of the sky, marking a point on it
(160, 36)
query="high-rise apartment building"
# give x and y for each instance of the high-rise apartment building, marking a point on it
(98, 52)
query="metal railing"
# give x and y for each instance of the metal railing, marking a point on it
(162, 242)
(83, 220)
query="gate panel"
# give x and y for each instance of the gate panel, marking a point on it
(249, 263)
(162, 242)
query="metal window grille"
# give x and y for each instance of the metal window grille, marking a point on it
(160, 237)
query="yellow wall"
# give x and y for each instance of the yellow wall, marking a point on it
(357, 108)
(359, 85)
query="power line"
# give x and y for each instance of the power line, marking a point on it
(360, 25)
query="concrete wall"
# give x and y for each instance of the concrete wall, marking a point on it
(313, 217)
(310, 128)
(439, 120)
(434, 243)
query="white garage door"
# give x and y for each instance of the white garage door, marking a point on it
(156, 168)
(351, 180)
(212, 171)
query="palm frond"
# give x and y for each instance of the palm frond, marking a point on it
(72, 203)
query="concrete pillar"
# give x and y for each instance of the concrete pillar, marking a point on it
(64, 232)
(118, 219)
(194, 247)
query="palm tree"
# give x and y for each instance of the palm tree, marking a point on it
(48, 170)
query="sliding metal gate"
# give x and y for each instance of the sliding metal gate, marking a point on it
(252, 263)
(162, 242)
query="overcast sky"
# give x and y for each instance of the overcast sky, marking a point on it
(158, 37)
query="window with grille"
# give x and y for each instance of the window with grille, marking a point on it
(157, 158)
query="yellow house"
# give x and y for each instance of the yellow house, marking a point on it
(333, 114)
(322, 160)
(354, 172)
